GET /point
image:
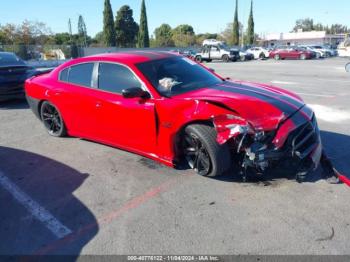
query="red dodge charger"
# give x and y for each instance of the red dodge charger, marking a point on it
(289, 52)
(171, 109)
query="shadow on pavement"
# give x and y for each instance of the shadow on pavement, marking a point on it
(14, 104)
(51, 184)
(337, 149)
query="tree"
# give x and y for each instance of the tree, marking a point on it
(226, 35)
(98, 39)
(163, 36)
(82, 30)
(126, 28)
(62, 39)
(250, 30)
(306, 25)
(143, 36)
(235, 30)
(183, 36)
(109, 36)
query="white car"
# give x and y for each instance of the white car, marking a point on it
(212, 42)
(344, 48)
(259, 52)
(319, 52)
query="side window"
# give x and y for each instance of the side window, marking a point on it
(81, 74)
(114, 78)
(64, 75)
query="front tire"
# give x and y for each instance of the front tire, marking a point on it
(202, 152)
(52, 120)
(198, 59)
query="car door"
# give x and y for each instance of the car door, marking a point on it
(125, 122)
(74, 97)
(215, 53)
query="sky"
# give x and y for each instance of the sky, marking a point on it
(271, 16)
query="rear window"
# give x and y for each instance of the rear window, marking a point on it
(64, 75)
(9, 59)
(78, 74)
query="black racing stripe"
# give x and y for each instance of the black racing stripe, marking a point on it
(285, 98)
(282, 106)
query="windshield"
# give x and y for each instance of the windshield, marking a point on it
(8, 59)
(224, 47)
(173, 76)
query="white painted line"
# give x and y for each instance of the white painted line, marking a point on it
(329, 114)
(309, 94)
(283, 82)
(37, 211)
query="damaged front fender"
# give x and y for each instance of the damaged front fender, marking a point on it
(231, 126)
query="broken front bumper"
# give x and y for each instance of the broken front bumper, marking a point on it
(301, 150)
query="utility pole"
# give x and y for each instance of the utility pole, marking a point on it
(70, 29)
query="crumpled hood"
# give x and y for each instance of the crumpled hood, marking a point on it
(261, 105)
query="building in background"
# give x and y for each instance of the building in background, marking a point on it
(302, 38)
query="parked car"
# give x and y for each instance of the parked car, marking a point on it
(210, 42)
(259, 52)
(317, 52)
(344, 48)
(13, 73)
(332, 49)
(327, 52)
(217, 52)
(174, 110)
(288, 52)
(243, 54)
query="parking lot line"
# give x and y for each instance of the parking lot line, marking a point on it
(316, 95)
(329, 114)
(37, 211)
(109, 217)
(283, 82)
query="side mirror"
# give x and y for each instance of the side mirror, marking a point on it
(135, 92)
(211, 70)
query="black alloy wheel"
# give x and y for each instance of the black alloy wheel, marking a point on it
(52, 120)
(197, 155)
(202, 153)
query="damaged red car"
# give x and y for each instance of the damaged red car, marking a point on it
(171, 109)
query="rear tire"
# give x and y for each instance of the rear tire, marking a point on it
(202, 153)
(277, 57)
(226, 58)
(262, 56)
(52, 120)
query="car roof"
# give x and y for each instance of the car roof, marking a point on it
(133, 57)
